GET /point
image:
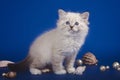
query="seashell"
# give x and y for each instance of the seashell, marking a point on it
(118, 68)
(9, 75)
(89, 59)
(79, 70)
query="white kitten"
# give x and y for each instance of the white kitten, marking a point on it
(58, 45)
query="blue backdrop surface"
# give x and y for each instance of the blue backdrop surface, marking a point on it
(21, 21)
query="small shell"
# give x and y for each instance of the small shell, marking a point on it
(79, 70)
(102, 68)
(9, 75)
(118, 68)
(89, 59)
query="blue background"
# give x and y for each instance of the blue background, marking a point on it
(21, 21)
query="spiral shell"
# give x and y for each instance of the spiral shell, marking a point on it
(9, 74)
(79, 70)
(89, 59)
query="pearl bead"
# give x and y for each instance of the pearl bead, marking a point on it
(116, 65)
(79, 62)
(107, 67)
(102, 68)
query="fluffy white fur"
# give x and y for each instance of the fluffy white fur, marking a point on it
(60, 44)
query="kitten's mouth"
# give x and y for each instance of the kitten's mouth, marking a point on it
(73, 31)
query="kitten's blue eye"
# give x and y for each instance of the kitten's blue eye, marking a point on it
(67, 22)
(76, 23)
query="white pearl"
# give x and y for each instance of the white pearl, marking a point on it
(102, 68)
(79, 62)
(107, 67)
(116, 65)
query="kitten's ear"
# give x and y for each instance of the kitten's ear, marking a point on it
(85, 15)
(61, 12)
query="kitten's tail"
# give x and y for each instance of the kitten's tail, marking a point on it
(20, 66)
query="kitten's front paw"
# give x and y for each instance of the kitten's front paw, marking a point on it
(35, 71)
(71, 70)
(60, 72)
